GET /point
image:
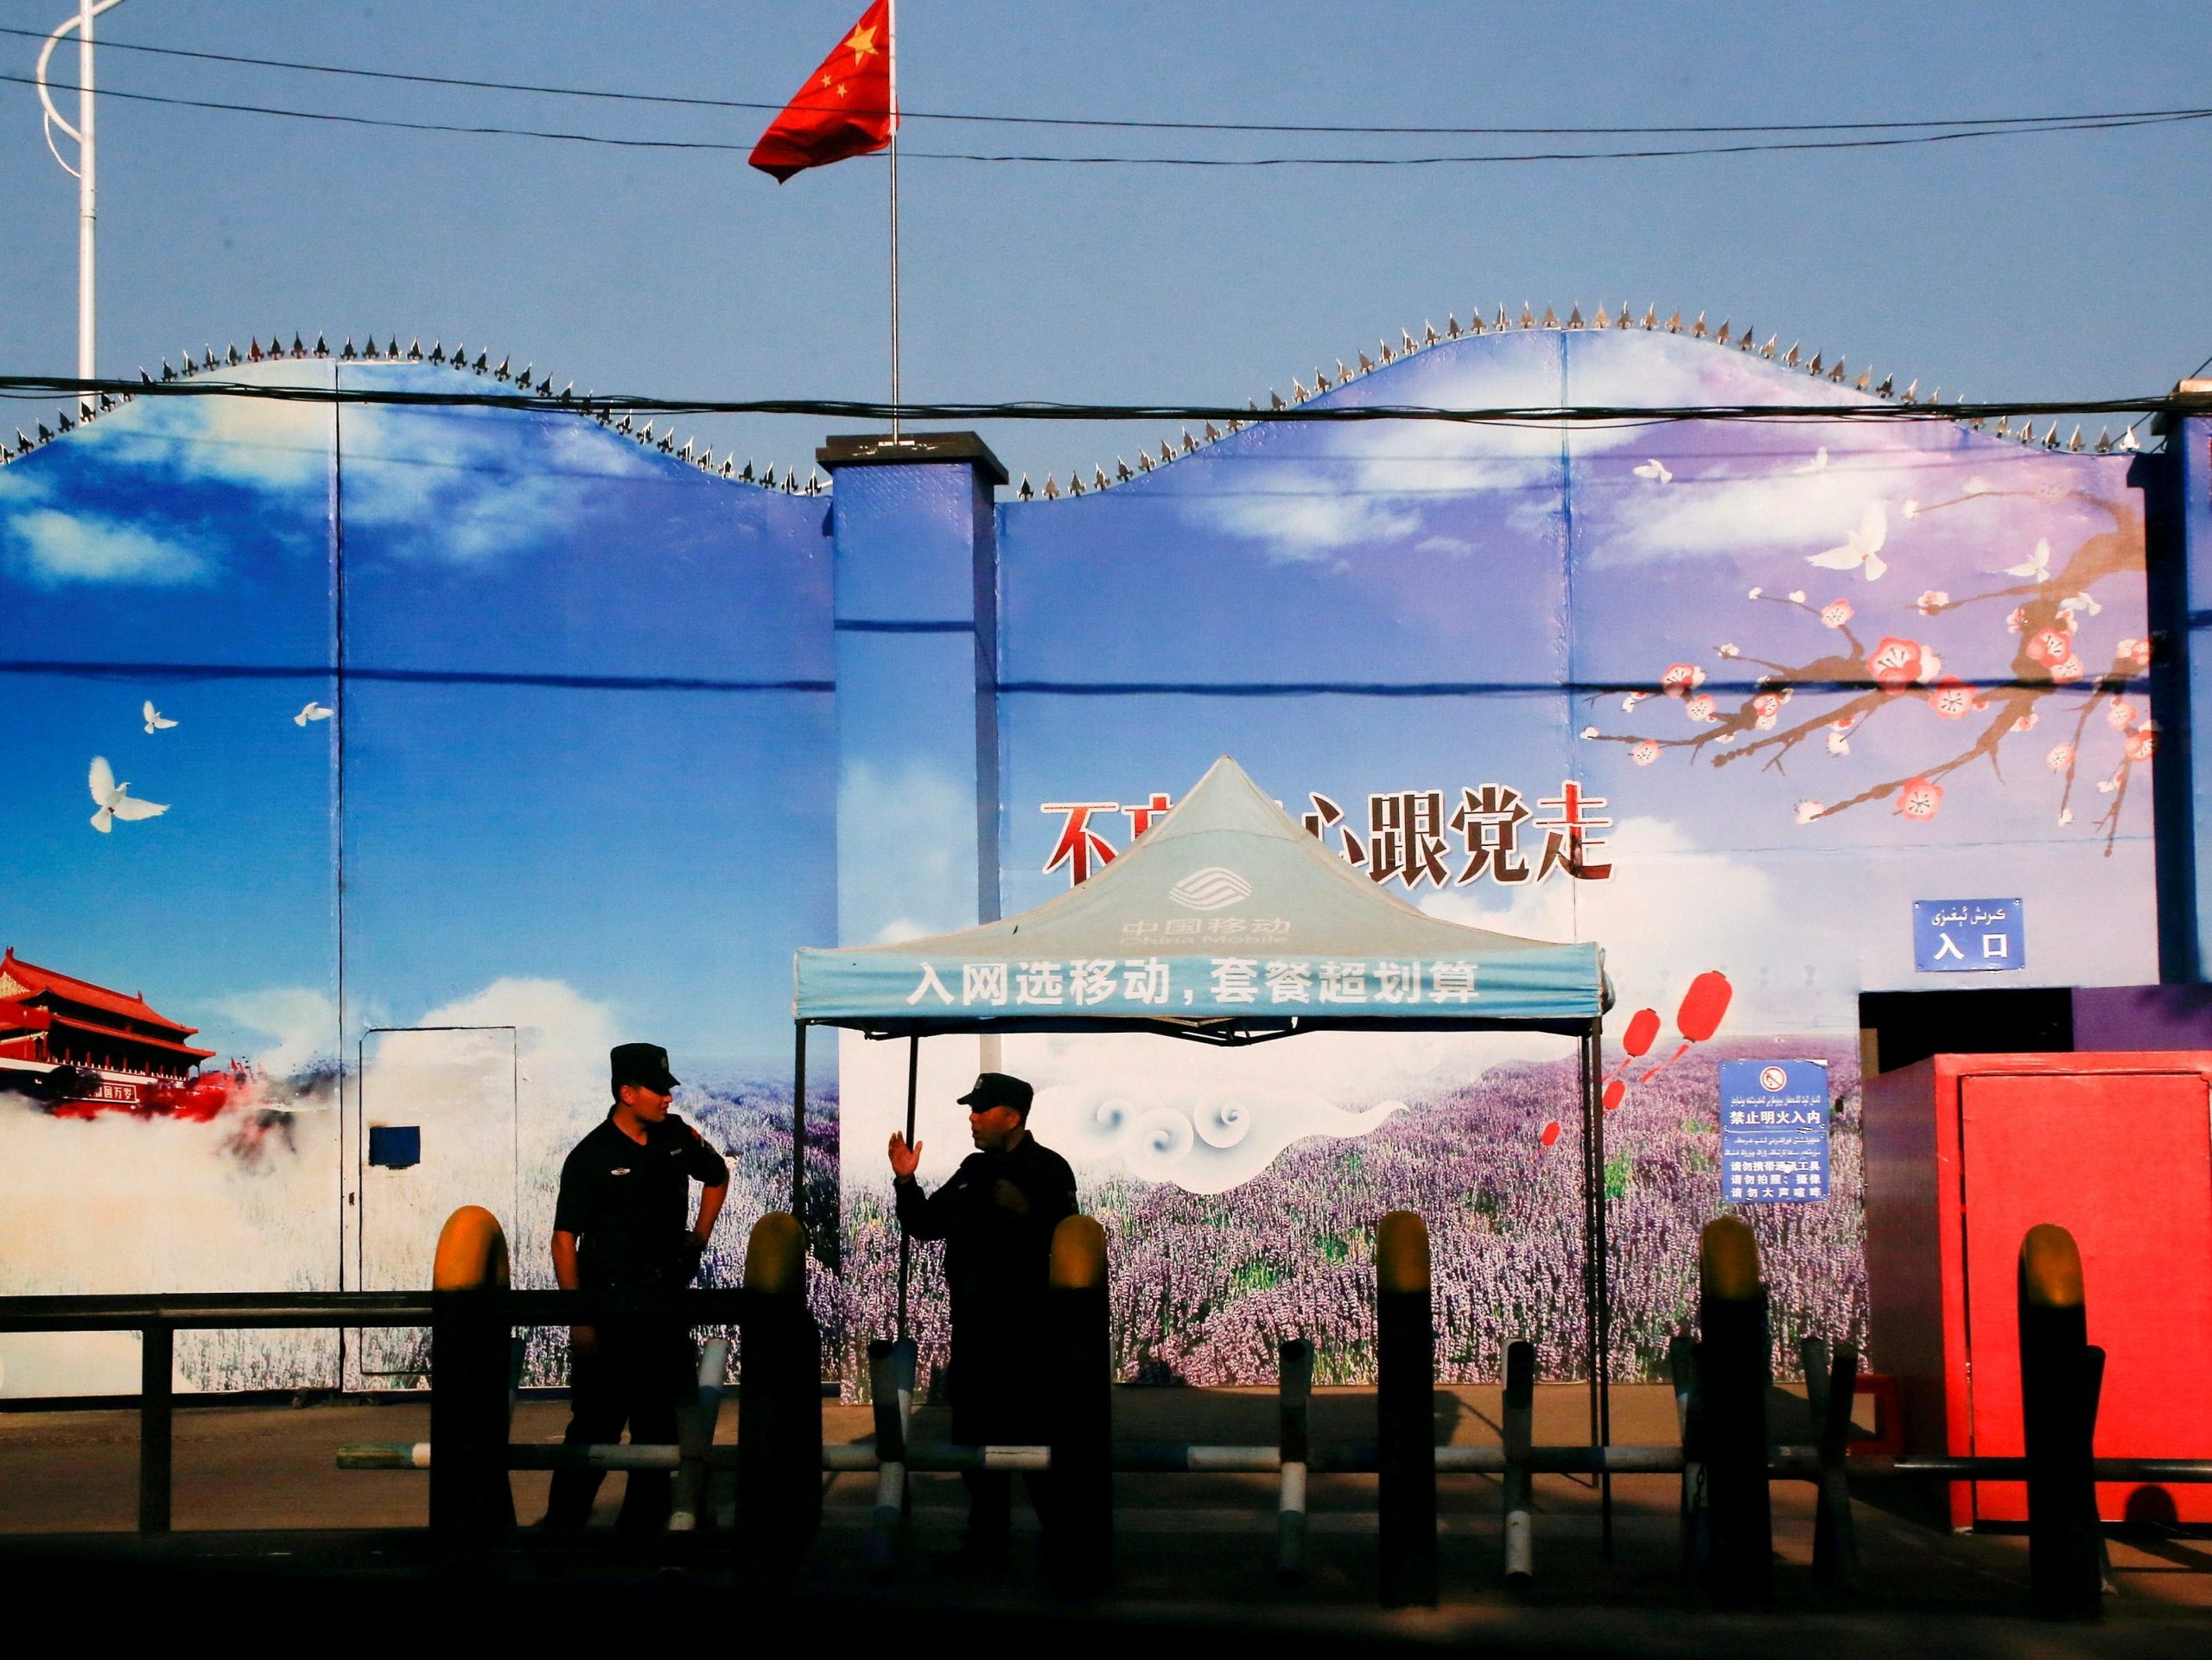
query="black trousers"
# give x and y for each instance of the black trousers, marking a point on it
(998, 1399)
(637, 1378)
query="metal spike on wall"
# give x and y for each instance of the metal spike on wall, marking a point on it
(2104, 441)
(2127, 441)
(1675, 323)
(1767, 351)
(1429, 336)
(1912, 391)
(1574, 317)
(1365, 367)
(1650, 318)
(1624, 320)
(414, 352)
(1528, 317)
(1075, 485)
(1836, 373)
(746, 477)
(1144, 459)
(1551, 318)
(231, 355)
(729, 466)
(1816, 368)
(65, 424)
(1601, 321)
(1789, 358)
(1697, 329)
(168, 373)
(1098, 478)
(1189, 442)
(437, 352)
(253, 348)
(1320, 382)
(1210, 436)
(1865, 379)
(1121, 473)
(1884, 390)
(1721, 338)
(1342, 375)
(667, 445)
(1748, 340)
(1052, 490)
(1024, 492)
(2074, 443)
(790, 481)
(1452, 327)
(1274, 400)
(208, 353)
(1405, 342)
(1383, 351)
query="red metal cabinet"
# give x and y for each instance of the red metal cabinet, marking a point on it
(1964, 1154)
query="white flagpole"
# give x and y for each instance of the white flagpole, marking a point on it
(891, 18)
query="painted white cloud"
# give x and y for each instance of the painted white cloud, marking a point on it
(1360, 482)
(301, 1022)
(476, 484)
(1671, 911)
(917, 865)
(252, 441)
(54, 549)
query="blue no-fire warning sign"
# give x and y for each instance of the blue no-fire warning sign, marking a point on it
(1774, 1131)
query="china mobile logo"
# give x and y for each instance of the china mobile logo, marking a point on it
(1210, 889)
(1413, 838)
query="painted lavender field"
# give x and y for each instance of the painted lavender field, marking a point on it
(1204, 1287)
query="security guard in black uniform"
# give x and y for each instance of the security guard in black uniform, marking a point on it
(996, 1217)
(619, 1223)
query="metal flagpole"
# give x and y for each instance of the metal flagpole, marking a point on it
(891, 17)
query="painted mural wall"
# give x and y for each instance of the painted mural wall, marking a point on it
(575, 785)
(614, 735)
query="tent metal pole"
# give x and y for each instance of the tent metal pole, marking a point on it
(905, 1245)
(1601, 1309)
(798, 1124)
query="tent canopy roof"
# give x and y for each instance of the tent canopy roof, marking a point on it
(1225, 921)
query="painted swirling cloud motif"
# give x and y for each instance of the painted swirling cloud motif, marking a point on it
(1219, 1140)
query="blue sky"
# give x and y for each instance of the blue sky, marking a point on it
(2062, 266)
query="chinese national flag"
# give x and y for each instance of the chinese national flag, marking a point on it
(848, 107)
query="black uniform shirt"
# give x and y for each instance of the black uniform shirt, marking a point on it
(993, 1256)
(628, 1204)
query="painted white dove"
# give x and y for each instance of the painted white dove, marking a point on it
(114, 800)
(1863, 552)
(1655, 470)
(156, 721)
(1819, 460)
(2036, 565)
(313, 711)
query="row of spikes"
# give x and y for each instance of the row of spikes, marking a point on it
(1727, 335)
(276, 351)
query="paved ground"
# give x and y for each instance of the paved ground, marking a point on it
(258, 1495)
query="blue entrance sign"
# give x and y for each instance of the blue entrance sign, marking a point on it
(1967, 936)
(1774, 1131)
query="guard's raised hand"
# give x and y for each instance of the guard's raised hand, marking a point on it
(904, 1158)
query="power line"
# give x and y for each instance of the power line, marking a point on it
(2086, 125)
(25, 387)
(1326, 128)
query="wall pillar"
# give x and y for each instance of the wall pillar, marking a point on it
(914, 535)
(2179, 560)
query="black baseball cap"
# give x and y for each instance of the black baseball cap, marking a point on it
(645, 1065)
(999, 1089)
